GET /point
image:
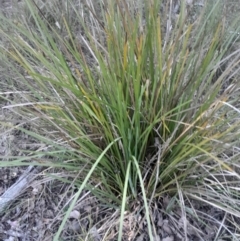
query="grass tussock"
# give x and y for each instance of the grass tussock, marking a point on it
(136, 101)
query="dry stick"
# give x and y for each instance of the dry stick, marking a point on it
(17, 188)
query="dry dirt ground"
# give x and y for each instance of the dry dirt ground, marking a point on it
(37, 211)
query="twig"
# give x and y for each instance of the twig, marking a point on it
(17, 188)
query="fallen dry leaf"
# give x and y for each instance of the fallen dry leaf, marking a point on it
(169, 238)
(74, 214)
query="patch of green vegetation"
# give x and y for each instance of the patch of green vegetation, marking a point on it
(136, 102)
